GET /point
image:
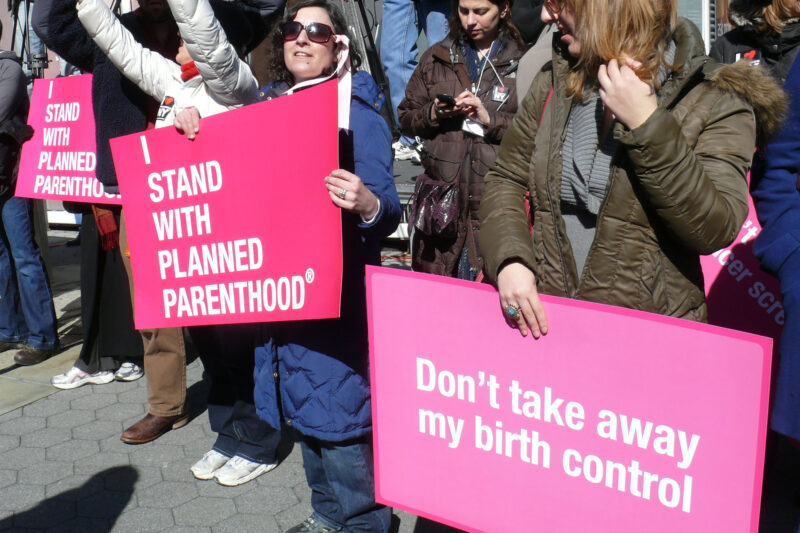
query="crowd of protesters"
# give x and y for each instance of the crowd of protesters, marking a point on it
(576, 148)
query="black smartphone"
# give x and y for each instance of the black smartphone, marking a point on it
(446, 99)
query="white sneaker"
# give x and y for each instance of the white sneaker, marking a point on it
(239, 470)
(404, 152)
(128, 372)
(206, 467)
(75, 377)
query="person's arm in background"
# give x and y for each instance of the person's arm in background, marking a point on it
(416, 111)
(216, 59)
(149, 70)
(13, 130)
(776, 196)
(57, 25)
(370, 191)
(12, 89)
(372, 151)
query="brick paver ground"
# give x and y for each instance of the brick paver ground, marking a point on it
(64, 469)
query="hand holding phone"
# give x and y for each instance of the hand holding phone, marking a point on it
(446, 99)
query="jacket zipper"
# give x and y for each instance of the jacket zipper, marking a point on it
(550, 192)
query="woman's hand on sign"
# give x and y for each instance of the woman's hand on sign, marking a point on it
(348, 192)
(188, 122)
(517, 287)
(631, 99)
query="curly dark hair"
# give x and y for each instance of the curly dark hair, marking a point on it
(506, 28)
(277, 67)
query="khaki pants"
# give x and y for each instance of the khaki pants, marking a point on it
(164, 355)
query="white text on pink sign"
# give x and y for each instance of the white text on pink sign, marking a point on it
(541, 405)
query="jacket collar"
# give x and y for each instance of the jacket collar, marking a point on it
(364, 88)
(448, 51)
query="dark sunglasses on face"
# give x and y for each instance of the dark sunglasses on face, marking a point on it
(316, 31)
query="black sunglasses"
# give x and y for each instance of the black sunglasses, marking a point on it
(316, 31)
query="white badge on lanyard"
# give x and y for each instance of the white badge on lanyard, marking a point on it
(472, 127)
(499, 93)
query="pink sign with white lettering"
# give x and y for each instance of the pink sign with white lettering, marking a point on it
(615, 421)
(237, 225)
(59, 162)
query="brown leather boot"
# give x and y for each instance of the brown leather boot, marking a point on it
(151, 427)
(29, 355)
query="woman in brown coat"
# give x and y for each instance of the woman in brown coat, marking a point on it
(634, 146)
(461, 99)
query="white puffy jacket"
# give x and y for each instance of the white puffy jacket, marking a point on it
(225, 81)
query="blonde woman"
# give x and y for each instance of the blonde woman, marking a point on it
(634, 146)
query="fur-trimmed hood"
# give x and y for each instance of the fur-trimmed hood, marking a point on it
(747, 13)
(757, 87)
(752, 83)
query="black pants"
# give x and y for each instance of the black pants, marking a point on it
(109, 338)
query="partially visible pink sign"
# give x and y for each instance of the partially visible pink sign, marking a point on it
(739, 294)
(616, 421)
(59, 162)
(237, 225)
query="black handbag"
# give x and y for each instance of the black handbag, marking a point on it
(436, 207)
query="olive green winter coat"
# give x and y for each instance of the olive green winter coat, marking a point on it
(677, 187)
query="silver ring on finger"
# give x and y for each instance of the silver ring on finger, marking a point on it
(342, 193)
(513, 312)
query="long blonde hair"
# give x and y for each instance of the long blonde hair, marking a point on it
(616, 29)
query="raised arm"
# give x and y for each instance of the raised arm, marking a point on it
(149, 70)
(57, 25)
(699, 192)
(228, 77)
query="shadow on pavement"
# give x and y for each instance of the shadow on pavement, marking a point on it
(197, 397)
(424, 525)
(92, 507)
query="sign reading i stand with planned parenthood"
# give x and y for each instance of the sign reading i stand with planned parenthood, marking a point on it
(59, 162)
(616, 421)
(237, 225)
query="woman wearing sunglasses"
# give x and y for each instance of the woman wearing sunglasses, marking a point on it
(313, 376)
(460, 99)
(206, 78)
(634, 147)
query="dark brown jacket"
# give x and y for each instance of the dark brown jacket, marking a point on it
(448, 147)
(677, 186)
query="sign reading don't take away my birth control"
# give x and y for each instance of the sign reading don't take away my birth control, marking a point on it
(59, 162)
(616, 421)
(237, 225)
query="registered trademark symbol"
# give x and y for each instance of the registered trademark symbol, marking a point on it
(310, 275)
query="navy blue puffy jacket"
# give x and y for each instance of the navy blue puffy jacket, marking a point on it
(315, 374)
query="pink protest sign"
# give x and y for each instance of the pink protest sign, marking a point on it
(739, 294)
(59, 162)
(616, 421)
(237, 225)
